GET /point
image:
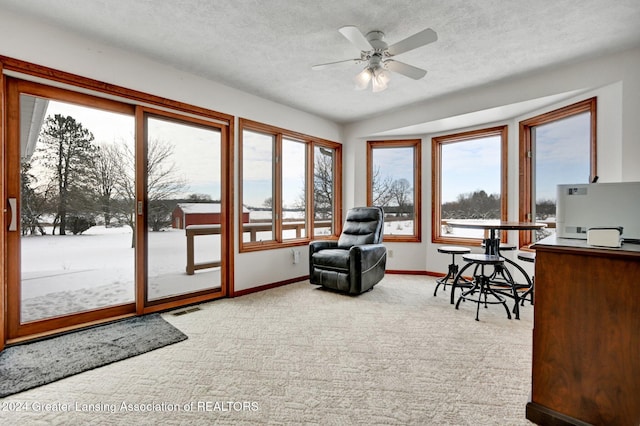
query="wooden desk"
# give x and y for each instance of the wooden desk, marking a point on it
(586, 336)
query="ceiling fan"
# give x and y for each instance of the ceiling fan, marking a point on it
(377, 54)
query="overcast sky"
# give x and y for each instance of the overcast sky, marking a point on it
(562, 154)
(196, 151)
(470, 166)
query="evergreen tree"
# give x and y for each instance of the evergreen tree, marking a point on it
(68, 152)
(32, 200)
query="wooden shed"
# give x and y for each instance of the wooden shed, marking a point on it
(186, 214)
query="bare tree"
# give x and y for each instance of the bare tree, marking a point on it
(164, 184)
(163, 180)
(401, 192)
(381, 188)
(120, 159)
(106, 177)
(323, 184)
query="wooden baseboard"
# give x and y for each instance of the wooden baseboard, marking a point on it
(408, 272)
(268, 286)
(298, 279)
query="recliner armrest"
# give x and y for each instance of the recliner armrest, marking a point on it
(316, 246)
(369, 254)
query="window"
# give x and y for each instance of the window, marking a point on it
(294, 176)
(183, 199)
(469, 182)
(324, 189)
(289, 185)
(558, 147)
(393, 183)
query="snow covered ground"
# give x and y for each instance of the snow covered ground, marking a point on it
(73, 273)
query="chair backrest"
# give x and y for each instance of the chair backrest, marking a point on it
(363, 225)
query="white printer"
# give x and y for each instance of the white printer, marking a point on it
(602, 207)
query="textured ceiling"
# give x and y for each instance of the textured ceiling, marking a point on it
(267, 48)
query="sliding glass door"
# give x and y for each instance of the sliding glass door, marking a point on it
(184, 212)
(69, 235)
(114, 209)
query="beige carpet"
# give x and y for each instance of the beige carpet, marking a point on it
(301, 355)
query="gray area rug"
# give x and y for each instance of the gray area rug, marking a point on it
(34, 364)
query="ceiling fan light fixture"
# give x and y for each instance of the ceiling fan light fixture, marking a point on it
(363, 78)
(381, 78)
(378, 86)
(377, 75)
(378, 55)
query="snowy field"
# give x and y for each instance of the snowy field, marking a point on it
(73, 273)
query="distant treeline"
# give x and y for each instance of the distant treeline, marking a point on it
(480, 205)
(475, 205)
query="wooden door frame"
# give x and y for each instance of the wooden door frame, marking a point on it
(143, 306)
(15, 330)
(3, 268)
(24, 71)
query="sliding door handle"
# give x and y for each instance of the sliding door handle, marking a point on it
(13, 205)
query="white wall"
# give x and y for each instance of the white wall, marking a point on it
(614, 79)
(37, 42)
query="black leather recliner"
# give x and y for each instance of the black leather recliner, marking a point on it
(357, 261)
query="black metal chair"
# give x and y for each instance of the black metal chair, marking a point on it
(481, 290)
(503, 282)
(498, 272)
(453, 267)
(357, 261)
(530, 257)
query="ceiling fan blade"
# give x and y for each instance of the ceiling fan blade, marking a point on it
(405, 69)
(356, 37)
(329, 64)
(413, 42)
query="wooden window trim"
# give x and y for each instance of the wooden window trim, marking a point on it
(436, 180)
(13, 66)
(3, 183)
(416, 144)
(337, 187)
(311, 142)
(526, 162)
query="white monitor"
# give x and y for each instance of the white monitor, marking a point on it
(583, 206)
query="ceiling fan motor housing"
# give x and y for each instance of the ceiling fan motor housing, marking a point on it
(375, 38)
